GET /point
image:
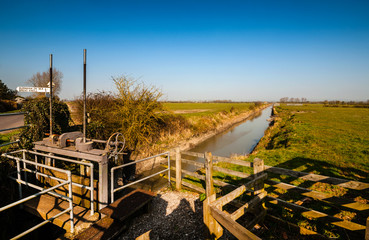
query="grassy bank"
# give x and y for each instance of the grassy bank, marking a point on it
(324, 140)
(186, 121)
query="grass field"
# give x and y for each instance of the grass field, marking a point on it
(327, 140)
(202, 109)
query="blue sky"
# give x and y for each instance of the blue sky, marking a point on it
(193, 50)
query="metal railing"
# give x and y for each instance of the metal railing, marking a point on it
(13, 128)
(113, 190)
(19, 180)
(88, 164)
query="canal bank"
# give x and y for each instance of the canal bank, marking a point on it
(238, 139)
(242, 118)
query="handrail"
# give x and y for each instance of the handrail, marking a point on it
(49, 190)
(88, 164)
(112, 190)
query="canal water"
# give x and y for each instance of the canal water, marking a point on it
(240, 139)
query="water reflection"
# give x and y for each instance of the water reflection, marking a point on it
(240, 139)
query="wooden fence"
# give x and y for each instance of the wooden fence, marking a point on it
(214, 206)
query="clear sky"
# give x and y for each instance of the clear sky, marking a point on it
(193, 50)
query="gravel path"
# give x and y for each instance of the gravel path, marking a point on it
(173, 215)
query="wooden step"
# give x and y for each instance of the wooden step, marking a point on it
(128, 204)
(113, 223)
(47, 206)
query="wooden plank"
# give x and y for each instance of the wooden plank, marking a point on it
(214, 229)
(259, 218)
(209, 174)
(346, 203)
(220, 202)
(319, 178)
(307, 212)
(178, 169)
(128, 204)
(258, 165)
(231, 172)
(253, 202)
(189, 185)
(194, 154)
(234, 227)
(192, 186)
(232, 161)
(192, 162)
(193, 174)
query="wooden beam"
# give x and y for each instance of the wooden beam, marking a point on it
(231, 172)
(258, 165)
(234, 227)
(232, 161)
(242, 210)
(178, 169)
(192, 162)
(194, 154)
(220, 202)
(209, 174)
(214, 229)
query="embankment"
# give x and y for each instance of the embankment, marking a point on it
(190, 143)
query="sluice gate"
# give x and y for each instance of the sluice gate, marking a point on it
(73, 181)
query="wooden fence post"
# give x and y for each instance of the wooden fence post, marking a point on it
(209, 174)
(178, 169)
(258, 165)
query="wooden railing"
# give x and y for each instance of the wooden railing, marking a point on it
(338, 202)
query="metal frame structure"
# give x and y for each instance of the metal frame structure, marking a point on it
(19, 180)
(87, 164)
(112, 190)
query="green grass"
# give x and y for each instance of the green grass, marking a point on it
(206, 108)
(7, 137)
(324, 140)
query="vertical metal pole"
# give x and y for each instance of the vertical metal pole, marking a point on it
(25, 167)
(51, 96)
(84, 95)
(111, 185)
(92, 196)
(19, 177)
(71, 216)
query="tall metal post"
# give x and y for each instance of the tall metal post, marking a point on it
(51, 95)
(84, 95)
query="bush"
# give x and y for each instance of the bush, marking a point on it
(100, 107)
(7, 105)
(38, 117)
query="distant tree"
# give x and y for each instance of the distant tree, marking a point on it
(284, 99)
(42, 80)
(6, 93)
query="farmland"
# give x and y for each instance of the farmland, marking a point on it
(189, 109)
(313, 137)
